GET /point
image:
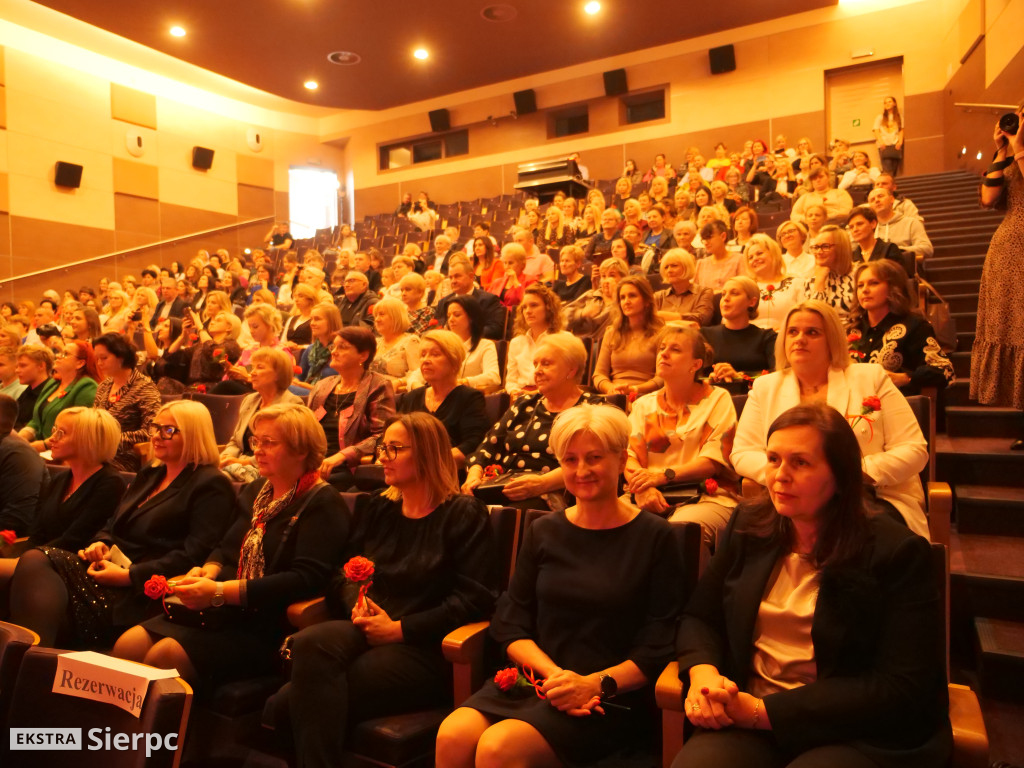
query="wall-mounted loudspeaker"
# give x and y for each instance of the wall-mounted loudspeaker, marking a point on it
(67, 175)
(526, 101)
(254, 138)
(440, 120)
(722, 59)
(615, 83)
(202, 158)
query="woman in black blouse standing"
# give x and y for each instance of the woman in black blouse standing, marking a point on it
(591, 610)
(884, 330)
(271, 559)
(459, 407)
(433, 562)
(129, 396)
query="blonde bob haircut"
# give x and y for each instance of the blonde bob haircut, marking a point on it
(785, 226)
(396, 310)
(432, 453)
(835, 336)
(96, 435)
(515, 252)
(302, 291)
(569, 348)
(269, 315)
(842, 260)
(298, 428)
(771, 248)
(415, 280)
(280, 361)
(216, 302)
(750, 289)
(451, 347)
(605, 422)
(681, 257)
(613, 264)
(199, 446)
(234, 324)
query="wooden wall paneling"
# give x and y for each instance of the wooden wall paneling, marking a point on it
(38, 244)
(3, 105)
(5, 202)
(179, 220)
(382, 199)
(137, 214)
(254, 201)
(925, 148)
(281, 207)
(6, 263)
(810, 125)
(255, 171)
(137, 179)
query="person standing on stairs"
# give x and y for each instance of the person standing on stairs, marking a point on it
(997, 359)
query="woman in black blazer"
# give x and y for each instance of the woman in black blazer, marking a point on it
(815, 637)
(173, 514)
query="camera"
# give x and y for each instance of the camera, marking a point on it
(1009, 123)
(136, 316)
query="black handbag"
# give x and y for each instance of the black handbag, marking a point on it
(220, 617)
(492, 493)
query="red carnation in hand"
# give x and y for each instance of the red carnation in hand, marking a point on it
(9, 537)
(156, 587)
(710, 486)
(506, 679)
(297, 370)
(492, 471)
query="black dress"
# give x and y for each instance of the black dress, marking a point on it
(751, 349)
(590, 599)
(300, 571)
(72, 523)
(461, 412)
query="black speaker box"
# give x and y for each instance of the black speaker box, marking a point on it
(526, 101)
(68, 175)
(202, 158)
(440, 120)
(722, 59)
(615, 83)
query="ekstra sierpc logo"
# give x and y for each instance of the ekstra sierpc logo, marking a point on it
(97, 739)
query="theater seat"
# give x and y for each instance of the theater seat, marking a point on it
(14, 642)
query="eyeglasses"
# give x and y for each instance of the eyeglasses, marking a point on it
(163, 431)
(58, 434)
(823, 247)
(389, 451)
(262, 442)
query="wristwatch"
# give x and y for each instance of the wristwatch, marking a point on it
(669, 473)
(609, 687)
(218, 597)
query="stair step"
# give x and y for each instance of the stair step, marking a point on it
(1000, 658)
(947, 287)
(965, 321)
(978, 460)
(962, 302)
(992, 510)
(971, 272)
(964, 340)
(961, 367)
(983, 421)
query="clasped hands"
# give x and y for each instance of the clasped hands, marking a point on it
(715, 702)
(101, 569)
(576, 695)
(377, 627)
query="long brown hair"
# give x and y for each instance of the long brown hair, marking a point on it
(652, 323)
(842, 529)
(432, 452)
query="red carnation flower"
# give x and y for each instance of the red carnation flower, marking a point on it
(9, 537)
(297, 370)
(710, 486)
(873, 403)
(506, 679)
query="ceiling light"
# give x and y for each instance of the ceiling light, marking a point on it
(421, 53)
(311, 85)
(592, 7)
(178, 31)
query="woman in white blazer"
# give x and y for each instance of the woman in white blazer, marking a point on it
(814, 365)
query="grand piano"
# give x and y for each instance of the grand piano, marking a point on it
(546, 177)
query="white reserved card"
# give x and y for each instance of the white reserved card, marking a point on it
(90, 675)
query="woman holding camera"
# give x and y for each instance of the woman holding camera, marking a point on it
(997, 359)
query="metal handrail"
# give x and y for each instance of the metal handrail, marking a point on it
(1000, 107)
(139, 248)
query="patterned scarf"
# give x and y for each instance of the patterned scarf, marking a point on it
(317, 356)
(264, 508)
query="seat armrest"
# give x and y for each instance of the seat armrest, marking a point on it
(668, 691)
(15, 548)
(307, 613)
(970, 739)
(465, 645)
(940, 511)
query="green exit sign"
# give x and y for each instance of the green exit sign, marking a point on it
(856, 122)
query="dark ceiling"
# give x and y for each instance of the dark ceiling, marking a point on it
(276, 45)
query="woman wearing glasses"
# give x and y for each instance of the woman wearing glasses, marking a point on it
(433, 571)
(352, 406)
(73, 383)
(174, 513)
(832, 278)
(288, 537)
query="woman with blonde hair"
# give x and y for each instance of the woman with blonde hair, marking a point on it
(740, 346)
(539, 313)
(587, 225)
(398, 350)
(93, 595)
(797, 259)
(412, 289)
(778, 290)
(296, 330)
(571, 282)
(119, 311)
(623, 192)
(588, 316)
(658, 190)
(832, 279)
(626, 363)
(682, 300)
(555, 234)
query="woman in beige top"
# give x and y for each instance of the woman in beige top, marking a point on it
(627, 359)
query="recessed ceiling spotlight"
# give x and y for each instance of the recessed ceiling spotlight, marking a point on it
(344, 58)
(592, 7)
(421, 53)
(311, 85)
(499, 12)
(178, 31)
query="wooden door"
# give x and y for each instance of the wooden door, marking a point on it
(853, 99)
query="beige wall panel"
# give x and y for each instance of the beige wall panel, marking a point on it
(254, 202)
(136, 179)
(132, 106)
(70, 87)
(202, 127)
(5, 201)
(136, 214)
(281, 205)
(255, 171)
(44, 118)
(176, 155)
(3, 151)
(178, 220)
(193, 189)
(378, 200)
(1004, 41)
(3, 106)
(3, 68)
(118, 146)
(6, 267)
